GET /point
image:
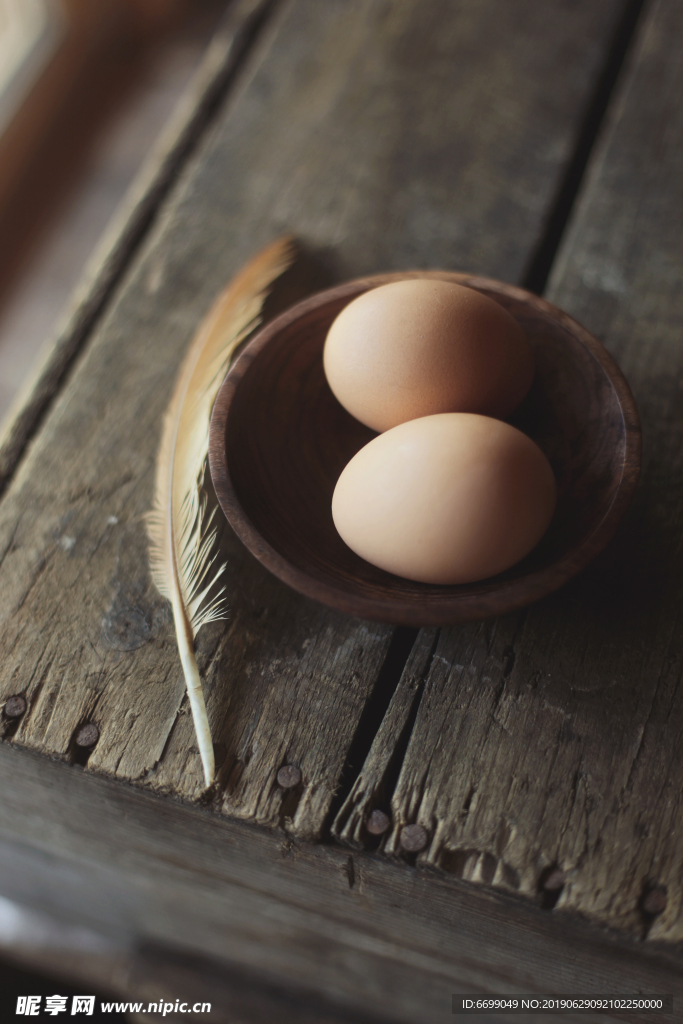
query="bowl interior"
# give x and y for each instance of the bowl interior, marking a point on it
(280, 440)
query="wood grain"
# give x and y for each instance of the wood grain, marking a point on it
(404, 136)
(156, 973)
(551, 739)
(377, 937)
(128, 227)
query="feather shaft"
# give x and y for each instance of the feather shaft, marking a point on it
(182, 537)
(195, 692)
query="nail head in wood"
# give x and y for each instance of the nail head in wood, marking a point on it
(555, 880)
(87, 735)
(378, 822)
(15, 706)
(654, 902)
(289, 776)
(414, 838)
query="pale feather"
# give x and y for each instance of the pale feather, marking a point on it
(181, 535)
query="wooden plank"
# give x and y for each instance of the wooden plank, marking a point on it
(129, 226)
(374, 783)
(385, 135)
(550, 739)
(153, 974)
(397, 942)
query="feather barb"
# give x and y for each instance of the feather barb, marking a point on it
(182, 535)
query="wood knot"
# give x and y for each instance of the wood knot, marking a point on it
(126, 627)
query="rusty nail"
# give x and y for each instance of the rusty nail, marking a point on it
(15, 706)
(413, 838)
(378, 822)
(87, 735)
(655, 900)
(289, 776)
(555, 880)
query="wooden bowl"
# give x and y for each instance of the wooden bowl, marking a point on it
(279, 440)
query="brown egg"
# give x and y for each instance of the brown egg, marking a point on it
(451, 498)
(418, 347)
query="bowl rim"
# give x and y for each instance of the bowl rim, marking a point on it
(439, 608)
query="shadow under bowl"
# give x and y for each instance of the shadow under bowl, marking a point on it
(279, 441)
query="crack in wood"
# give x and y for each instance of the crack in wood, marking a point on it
(540, 265)
(373, 783)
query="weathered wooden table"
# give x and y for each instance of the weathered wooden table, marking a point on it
(527, 141)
